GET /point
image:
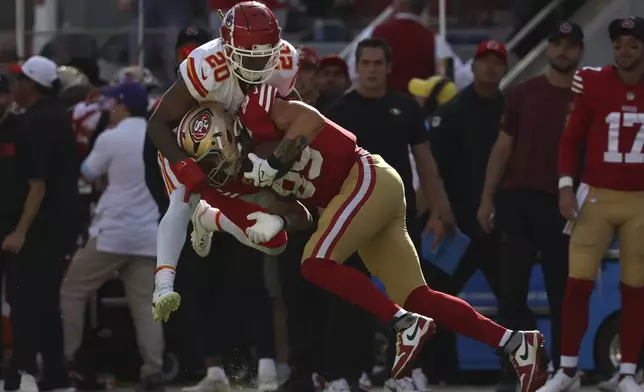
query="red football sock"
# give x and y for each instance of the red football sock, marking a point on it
(575, 315)
(350, 285)
(455, 314)
(631, 326)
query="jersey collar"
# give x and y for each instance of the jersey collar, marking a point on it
(409, 16)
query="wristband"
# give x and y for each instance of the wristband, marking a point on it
(275, 163)
(284, 222)
(565, 181)
(281, 167)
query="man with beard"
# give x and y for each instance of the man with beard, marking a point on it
(528, 216)
(606, 117)
(332, 80)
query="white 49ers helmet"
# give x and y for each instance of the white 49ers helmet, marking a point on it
(207, 134)
(252, 41)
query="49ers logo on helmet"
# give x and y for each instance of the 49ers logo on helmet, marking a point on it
(200, 125)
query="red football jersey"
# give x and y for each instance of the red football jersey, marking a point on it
(323, 166)
(608, 116)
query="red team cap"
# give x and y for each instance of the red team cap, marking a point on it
(491, 46)
(337, 61)
(307, 55)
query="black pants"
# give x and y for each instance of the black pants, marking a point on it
(348, 335)
(305, 312)
(531, 224)
(233, 296)
(440, 360)
(33, 290)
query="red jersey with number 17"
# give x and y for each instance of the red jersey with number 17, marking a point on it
(323, 166)
(608, 116)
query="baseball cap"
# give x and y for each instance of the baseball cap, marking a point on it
(39, 69)
(633, 25)
(491, 46)
(130, 93)
(424, 87)
(307, 55)
(569, 30)
(193, 34)
(336, 61)
(4, 84)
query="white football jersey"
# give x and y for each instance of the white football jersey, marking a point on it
(208, 76)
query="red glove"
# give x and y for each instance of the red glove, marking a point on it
(190, 174)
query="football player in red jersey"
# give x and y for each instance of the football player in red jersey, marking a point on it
(608, 117)
(249, 51)
(364, 210)
(208, 135)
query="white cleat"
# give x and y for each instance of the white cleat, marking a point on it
(609, 385)
(364, 383)
(164, 301)
(215, 381)
(200, 238)
(420, 380)
(340, 385)
(401, 385)
(561, 382)
(628, 384)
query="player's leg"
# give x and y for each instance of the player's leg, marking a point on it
(392, 257)
(171, 236)
(631, 330)
(590, 238)
(231, 216)
(371, 197)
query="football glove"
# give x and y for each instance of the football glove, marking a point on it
(265, 228)
(190, 174)
(262, 174)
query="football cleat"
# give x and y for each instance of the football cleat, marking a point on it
(412, 330)
(200, 238)
(215, 381)
(529, 359)
(561, 382)
(164, 301)
(402, 385)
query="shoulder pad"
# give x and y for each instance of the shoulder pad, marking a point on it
(286, 72)
(205, 69)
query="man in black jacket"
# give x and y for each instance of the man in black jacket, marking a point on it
(48, 166)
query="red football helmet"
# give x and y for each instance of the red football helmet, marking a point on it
(252, 41)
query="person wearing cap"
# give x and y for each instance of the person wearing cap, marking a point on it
(600, 144)
(12, 191)
(122, 234)
(461, 133)
(47, 227)
(189, 39)
(521, 165)
(305, 83)
(332, 80)
(389, 123)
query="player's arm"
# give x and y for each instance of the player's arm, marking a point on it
(573, 137)
(570, 146)
(502, 147)
(174, 104)
(300, 123)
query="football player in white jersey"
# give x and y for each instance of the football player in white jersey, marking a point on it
(250, 51)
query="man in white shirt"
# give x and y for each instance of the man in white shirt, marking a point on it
(122, 234)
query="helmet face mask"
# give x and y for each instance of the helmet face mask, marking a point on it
(252, 41)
